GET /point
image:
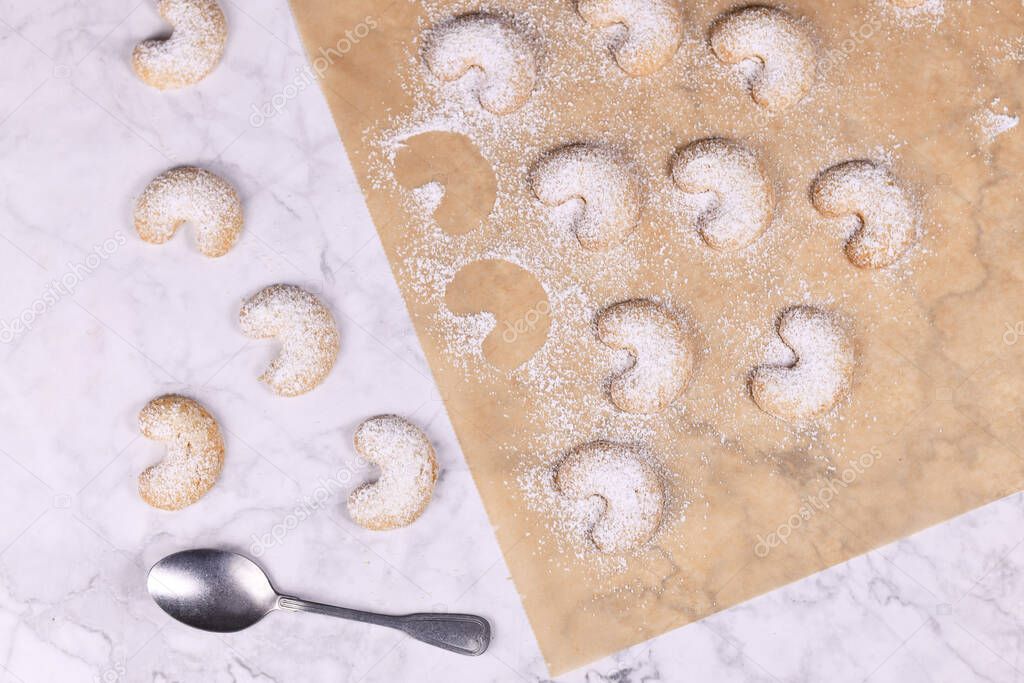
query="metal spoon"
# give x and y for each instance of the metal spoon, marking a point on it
(220, 591)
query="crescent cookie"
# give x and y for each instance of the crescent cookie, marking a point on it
(662, 349)
(408, 472)
(888, 219)
(191, 52)
(307, 332)
(605, 184)
(819, 377)
(631, 489)
(195, 452)
(190, 195)
(776, 40)
(734, 174)
(654, 29)
(492, 45)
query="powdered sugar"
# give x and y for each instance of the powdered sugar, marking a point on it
(631, 491)
(778, 42)
(192, 195)
(408, 471)
(743, 197)
(888, 220)
(991, 123)
(307, 333)
(650, 35)
(816, 372)
(191, 52)
(604, 184)
(561, 387)
(491, 44)
(662, 350)
(195, 452)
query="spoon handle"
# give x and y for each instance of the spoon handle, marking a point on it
(466, 634)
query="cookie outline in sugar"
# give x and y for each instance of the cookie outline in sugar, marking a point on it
(738, 217)
(370, 444)
(780, 80)
(644, 46)
(818, 378)
(192, 50)
(193, 195)
(193, 452)
(889, 222)
(305, 330)
(634, 326)
(633, 509)
(514, 297)
(449, 158)
(604, 183)
(499, 89)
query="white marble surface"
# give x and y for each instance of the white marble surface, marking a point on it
(79, 138)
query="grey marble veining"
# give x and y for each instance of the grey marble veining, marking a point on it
(107, 322)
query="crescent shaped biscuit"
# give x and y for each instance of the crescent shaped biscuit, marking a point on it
(408, 472)
(631, 489)
(190, 195)
(734, 174)
(662, 349)
(819, 377)
(195, 452)
(191, 52)
(654, 30)
(488, 43)
(775, 39)
(605, 184)
(307, 332)
(888, 219)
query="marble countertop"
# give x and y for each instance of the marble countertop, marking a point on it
(94, 323)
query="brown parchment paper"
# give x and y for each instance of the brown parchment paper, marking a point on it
(933, 421)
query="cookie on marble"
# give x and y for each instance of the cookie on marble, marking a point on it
(195, 452)
(490, 45)
(819, 376)
(606, 187)
(745, 200)
(780, 45)
(663, 351)
(887, 220)
(632, 491)
(304, 327)
(408, 472)
(653, 30)
(190, 195)
(193, 50)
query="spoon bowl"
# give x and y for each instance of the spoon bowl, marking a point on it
(221, 591)
(212, 590)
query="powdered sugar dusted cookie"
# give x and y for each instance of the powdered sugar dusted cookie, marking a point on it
(775, 39)
(190, 53)
(490, 44)
(195, 452)
(734, 174)
(632, 491)
(604, 184)
(306, 330)
(653, 30)
(190, 195)
(820, 375)
(408, 471)
(663, 352)
(888, 220)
